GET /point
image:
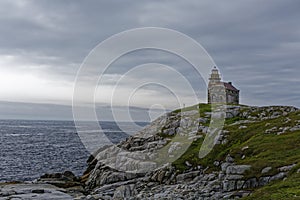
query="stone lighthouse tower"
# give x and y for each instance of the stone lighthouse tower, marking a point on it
(221, 92)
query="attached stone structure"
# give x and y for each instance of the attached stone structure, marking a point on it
(221, 92)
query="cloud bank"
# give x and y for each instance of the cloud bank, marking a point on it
(255, 44)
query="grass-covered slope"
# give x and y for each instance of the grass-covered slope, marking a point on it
(260, 137)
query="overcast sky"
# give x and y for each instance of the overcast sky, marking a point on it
(254, 43)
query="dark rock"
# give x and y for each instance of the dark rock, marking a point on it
(278, 176)
(61, 180)
(239, 184)
(263, 180)
(237, 169)
(187, 176)
(69, 175)
(38, 191)
(229, 185)
(229, 159)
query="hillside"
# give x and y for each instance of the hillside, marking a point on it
(256, 156)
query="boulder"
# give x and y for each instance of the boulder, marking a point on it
(266, 170)
(237, 169)
(278, 176)
(286, 168)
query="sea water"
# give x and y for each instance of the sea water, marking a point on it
(29, 149)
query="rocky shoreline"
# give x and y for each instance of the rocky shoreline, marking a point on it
(113, 172)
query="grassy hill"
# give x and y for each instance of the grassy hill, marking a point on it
(263, 137)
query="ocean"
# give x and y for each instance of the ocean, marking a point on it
(30, 149)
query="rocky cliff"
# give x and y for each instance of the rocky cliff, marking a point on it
(257, 148)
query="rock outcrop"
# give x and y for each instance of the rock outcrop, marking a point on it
(33, 191)
(113, 176)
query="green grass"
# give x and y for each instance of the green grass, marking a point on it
(194, 107)
(232, 120)
(266, 149)
(191, 155)
(204, 108)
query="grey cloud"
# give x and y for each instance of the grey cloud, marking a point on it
(256, 43)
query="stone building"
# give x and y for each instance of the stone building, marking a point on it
(221, 92)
